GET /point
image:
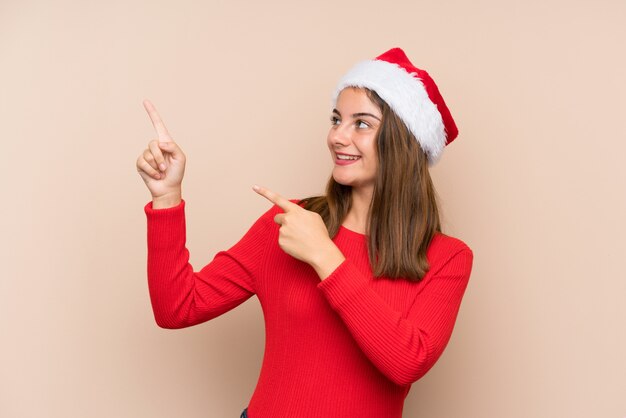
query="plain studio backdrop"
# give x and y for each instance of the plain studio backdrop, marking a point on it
(535, 184)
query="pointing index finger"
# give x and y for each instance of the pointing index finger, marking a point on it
(157, 122)
(275, 198)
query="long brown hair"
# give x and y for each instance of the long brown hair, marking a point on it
(403, 214)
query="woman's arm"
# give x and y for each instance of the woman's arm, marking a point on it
(402, 348)
(181, 297)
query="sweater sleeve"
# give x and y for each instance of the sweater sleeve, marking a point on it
(181, 297)
(402, 347)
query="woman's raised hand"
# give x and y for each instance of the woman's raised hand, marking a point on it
(162, 164)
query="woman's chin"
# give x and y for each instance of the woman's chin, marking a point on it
(342, 180)
(352, 182)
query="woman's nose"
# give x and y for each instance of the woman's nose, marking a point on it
(340, 136)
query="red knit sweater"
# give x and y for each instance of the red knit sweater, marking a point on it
(349, 345)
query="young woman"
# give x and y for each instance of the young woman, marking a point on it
(360, 289)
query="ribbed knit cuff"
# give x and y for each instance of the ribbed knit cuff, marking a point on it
(344, 285)
(150, 210)
(166, 227)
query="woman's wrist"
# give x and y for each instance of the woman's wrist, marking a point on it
(166, 201)
(327, 261)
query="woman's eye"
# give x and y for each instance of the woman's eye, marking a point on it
(360, 122)
(334, 120)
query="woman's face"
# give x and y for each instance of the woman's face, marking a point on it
(354, 123)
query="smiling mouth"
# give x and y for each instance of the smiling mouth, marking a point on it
(345, 157)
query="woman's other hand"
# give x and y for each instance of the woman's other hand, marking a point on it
(162, 164)
(303, 235)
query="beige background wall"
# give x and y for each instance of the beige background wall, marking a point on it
(535, 184)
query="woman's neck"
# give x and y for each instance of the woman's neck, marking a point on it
(356, 219)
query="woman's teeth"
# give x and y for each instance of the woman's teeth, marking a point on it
(347, 157)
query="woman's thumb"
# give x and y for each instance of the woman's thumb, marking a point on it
(168, 146)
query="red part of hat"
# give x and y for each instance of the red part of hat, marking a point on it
(398, 57)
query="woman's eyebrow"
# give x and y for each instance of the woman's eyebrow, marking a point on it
(355, 115)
